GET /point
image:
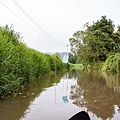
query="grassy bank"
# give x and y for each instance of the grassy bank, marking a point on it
(111, 65)
(20, 64)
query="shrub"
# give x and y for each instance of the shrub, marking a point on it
(112, 63)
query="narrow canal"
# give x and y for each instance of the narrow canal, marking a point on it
(60, 97)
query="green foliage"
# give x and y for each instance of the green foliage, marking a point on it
(76, 41)
(72, 58)
(112, 64)
(97, 42)
(20, 64)
(77, 66)
(51, 61)
(99, 39)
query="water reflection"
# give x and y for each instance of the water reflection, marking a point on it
(98, 93)
(14, 108)
(60, 97)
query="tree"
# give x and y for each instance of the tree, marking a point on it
(99, 38)
(116, 38)
(76, 41)
(97, 42)
(72, 58)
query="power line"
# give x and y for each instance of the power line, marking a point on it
(22, 19)
(35, 23)
(19, 17)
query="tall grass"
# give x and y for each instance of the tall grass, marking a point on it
(19, 63)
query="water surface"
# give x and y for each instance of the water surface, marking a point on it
(60, 97)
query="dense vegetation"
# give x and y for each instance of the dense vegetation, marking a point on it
(97, 43)
(112, 63)
(20, 64)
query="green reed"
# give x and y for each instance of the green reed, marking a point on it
(20, 64)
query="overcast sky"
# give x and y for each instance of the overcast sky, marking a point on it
(56, 20)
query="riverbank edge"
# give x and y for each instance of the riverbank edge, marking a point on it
(111, 65)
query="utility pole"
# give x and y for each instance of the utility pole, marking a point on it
(67, 50)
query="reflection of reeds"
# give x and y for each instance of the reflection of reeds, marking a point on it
(111, 80)
(19, 64)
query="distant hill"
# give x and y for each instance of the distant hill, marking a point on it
(60, 53)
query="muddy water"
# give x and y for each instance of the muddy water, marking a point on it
(60, 97)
